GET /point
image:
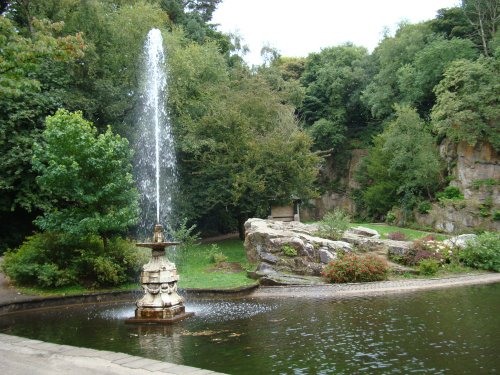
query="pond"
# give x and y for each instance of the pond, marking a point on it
(447, 331)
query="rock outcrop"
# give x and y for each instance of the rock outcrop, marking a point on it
(289, 247)
(290, 252)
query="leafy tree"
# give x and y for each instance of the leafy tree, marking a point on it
(452, 23)
(416, 81)
(334, 79)
(467, 107)
(240, 146)
(283, 75)
(85, 178)
(389, 57)
(403, 166)
(484, 16)
(34, 73)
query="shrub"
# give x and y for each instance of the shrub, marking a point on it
(425, 248)
(355, 268)
(53, 260)
(496, 215)
(428, 267)
(424, 207)
(334, 224)
(450, 192)
(396, 236)
(215, 255)
(186, 235)
(484, 253)
(289, 251)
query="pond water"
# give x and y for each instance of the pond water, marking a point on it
(449, 331)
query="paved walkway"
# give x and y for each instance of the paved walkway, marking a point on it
(20, 356)
(374, 288)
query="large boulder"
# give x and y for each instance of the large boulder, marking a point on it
(461, 241)
(289, 247)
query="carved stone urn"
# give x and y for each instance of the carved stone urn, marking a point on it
(160, 303)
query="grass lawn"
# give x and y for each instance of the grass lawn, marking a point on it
(73, 290)
(411, 234)
(198, 271)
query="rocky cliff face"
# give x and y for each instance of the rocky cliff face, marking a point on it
(476, 172)
(338, 196)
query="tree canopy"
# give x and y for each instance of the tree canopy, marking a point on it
(85, 178)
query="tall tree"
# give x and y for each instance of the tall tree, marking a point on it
(35, 75)
(468, 104)
(334, 79)
(484, 16)
(403, 166)
(85, 179)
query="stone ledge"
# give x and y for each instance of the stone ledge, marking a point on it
(21, 355)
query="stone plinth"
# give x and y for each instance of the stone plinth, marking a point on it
(160, 303)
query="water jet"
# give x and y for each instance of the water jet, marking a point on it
(160, 304)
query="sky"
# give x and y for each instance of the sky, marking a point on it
(299, 27)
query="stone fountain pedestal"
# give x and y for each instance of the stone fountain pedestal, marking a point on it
(160, 304)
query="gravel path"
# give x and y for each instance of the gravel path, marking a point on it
(374, 288)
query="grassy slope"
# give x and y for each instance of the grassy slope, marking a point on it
(411, 234)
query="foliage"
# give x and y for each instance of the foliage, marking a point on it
(424, 207)
(54, 260)
(416, 81)
(467, 102)
(404, 165)
(428, 267)
(391, 55)
(188, 237)
(241, 147)
(450, 192)
(34, 78)
(355, 268)
(483, 16)
(85, 178)
(215, 254)
(289, 251)
(334, 79)
(334, 224)
(484, 253)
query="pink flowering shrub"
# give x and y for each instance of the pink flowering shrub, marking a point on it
(355, 268)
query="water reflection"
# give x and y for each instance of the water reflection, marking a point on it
(441, 332)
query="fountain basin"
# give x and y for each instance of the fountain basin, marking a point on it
(438, 331)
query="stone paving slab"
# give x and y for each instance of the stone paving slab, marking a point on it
(21, 356)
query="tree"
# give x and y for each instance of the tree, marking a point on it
(389, 57)
(416, 81)
(484, 16)
(403, 166)
(334, 79)
(239, 145)
(85, 178)
(467, 107)
(452, 23)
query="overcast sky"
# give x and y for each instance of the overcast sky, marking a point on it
(298, 27)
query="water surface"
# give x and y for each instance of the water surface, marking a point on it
(449, 331)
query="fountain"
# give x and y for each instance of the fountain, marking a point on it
(160, 303)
